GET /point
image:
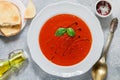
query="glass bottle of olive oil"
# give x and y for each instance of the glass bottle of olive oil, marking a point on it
(4, 67)
(16, 60)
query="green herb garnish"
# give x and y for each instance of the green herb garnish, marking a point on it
(70, 32)
(60, 31)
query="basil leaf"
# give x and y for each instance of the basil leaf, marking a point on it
(70, 32)
(60, 31)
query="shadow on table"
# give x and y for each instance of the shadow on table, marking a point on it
(105, 22)
(9, 39)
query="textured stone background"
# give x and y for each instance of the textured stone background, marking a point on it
(33, 72)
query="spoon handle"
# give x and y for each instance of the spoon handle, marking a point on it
(113, 27)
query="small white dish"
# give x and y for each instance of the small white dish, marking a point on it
(103, 8)
(22, 8)
(60, 8)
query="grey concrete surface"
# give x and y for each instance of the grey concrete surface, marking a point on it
(33, 72)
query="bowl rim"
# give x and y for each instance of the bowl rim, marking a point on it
(45, 64)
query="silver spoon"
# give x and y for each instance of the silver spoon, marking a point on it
(99, 70)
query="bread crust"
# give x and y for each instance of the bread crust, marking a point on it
(14, 23)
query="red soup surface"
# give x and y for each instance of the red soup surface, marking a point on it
(65, 50)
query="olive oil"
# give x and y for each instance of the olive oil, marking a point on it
(4, 67)
(15, 61)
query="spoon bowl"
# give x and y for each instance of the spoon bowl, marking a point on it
(100, 68)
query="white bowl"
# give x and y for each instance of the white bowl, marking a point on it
(70, 8)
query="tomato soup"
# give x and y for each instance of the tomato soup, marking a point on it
(65, 50)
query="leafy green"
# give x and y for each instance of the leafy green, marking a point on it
(70, 32)
(60, 31)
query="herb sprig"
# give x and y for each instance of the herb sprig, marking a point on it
(62, 31)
